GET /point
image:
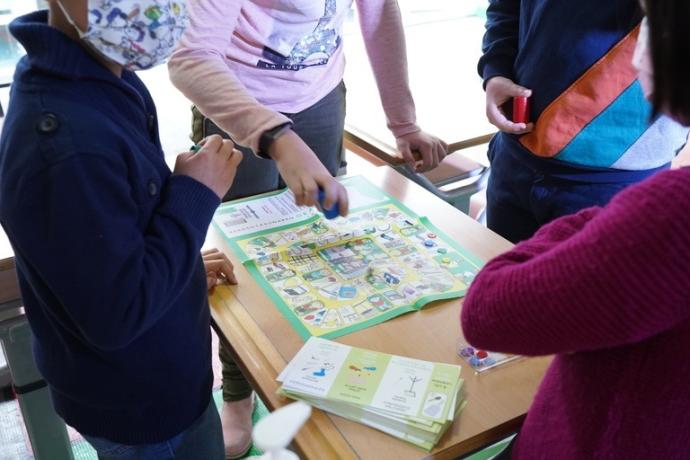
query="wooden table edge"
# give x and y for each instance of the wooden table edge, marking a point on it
(319, 438)
(472, 445)
(9, 285)
(379, 152)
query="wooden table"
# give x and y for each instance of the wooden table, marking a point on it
(9, 288)
(263, 342)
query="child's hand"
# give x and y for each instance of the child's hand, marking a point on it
(432, 150)
(500, 90)
(215, 164)
(218, 268)
(304, 174)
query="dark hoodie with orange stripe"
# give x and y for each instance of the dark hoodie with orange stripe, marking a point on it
(588, 107)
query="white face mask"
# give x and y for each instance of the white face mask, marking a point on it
(642, 60)
(137, 34)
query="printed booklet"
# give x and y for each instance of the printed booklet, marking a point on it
(410, 399)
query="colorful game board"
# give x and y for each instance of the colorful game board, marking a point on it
(333, 277)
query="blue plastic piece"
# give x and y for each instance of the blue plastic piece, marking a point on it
(331, 213)
(475, 362)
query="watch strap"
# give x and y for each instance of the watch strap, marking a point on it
(269, 136)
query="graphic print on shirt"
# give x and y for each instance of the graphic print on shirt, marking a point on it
(313, 49)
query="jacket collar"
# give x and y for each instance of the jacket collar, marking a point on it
(51, 51)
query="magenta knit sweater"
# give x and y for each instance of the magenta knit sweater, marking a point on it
(607, 291)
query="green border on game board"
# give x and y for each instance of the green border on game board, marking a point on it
(285, 309)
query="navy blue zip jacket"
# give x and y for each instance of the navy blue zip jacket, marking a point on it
(107, 244)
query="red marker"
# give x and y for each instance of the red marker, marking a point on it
(521, 109)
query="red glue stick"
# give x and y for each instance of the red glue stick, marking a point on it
(521, 109)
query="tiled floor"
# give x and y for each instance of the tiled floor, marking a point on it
(13, 444)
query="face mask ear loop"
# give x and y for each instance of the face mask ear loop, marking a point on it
(70, 20)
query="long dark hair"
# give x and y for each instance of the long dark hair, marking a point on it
(669, 37)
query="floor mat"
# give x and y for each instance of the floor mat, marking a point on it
(14, 447)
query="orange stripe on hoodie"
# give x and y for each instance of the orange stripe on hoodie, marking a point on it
(586, 98)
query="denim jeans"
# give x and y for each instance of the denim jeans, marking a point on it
(525, 193)
(321, 127)
(201, 441)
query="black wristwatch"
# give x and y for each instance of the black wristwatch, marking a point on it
(269, 136)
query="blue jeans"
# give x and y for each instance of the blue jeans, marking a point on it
(526, 192)
(201, 441)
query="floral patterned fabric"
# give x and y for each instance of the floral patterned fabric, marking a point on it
(137, 34)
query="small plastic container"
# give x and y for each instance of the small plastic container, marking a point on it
(521, 107)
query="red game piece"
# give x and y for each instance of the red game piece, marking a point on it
(481, 354)
(520, 109)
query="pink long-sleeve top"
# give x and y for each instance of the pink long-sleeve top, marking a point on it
(607, 291)
(245, 63)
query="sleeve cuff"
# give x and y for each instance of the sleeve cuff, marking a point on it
(403, 130)
(192, 202)
(491, 70)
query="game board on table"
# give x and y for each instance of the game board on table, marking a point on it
(333, 277)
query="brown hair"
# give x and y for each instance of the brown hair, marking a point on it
(669, 45)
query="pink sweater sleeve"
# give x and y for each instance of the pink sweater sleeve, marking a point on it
(601, 278)
(198, 69)
(384, 39)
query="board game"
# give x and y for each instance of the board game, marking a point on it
(333, 277)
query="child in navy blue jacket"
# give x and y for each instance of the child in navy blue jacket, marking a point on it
(591, 134)
(107, 239)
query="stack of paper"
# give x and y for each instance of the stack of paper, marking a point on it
(410, 399)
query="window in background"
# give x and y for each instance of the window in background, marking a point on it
(443, 46)
(10, 51)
